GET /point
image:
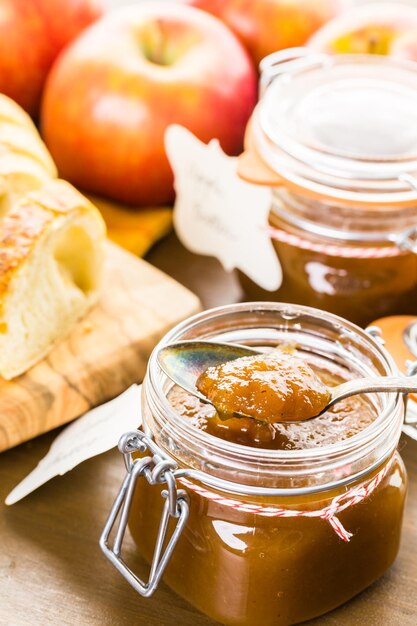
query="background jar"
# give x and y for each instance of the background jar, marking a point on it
(335, 139)
(243, 568)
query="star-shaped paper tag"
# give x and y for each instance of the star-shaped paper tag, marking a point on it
(217, 213)
(95, 432)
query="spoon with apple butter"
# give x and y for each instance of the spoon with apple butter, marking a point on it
(275, 386)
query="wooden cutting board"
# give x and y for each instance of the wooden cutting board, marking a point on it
(105, 353)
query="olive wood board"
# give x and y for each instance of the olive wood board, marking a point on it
(105, 353)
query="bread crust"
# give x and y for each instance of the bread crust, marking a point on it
(22, 227)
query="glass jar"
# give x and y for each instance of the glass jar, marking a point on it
(335, 138)
(254, 536)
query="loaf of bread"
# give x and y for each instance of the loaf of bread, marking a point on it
(51, 259)
(25, 163)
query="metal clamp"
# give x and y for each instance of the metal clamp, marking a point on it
(409, 179)
(376, 333)
(406, 241)
(410, 419)
(289, 61)
(156, 470)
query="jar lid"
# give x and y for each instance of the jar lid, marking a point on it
(343, 126)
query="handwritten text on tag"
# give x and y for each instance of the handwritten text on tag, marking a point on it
(217, 213)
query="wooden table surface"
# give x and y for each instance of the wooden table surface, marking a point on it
(52, 571)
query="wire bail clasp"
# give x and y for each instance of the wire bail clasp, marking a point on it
(156, 470)
(289, 61)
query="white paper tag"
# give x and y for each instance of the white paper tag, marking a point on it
(219, 214)
(96, 432)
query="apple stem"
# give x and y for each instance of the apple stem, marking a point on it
(155, 43)
(159, 55)
(373, 44)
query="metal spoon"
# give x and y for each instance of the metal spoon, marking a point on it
(183, 362)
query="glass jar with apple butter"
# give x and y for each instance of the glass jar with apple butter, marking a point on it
(335, 138)
(254, 521)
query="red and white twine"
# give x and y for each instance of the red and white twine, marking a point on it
(328, 513)
(347, 252)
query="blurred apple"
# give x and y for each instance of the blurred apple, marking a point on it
(113, 92)
(386, 28)
(265, 26)
(32, 33)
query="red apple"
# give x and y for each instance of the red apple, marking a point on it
(114, 91)
(374, 28)
(32, 33)
(265, 26)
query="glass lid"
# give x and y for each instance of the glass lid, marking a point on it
(344, 125)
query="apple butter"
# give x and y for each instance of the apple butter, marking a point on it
(345, 419)
(244, 569)
(357, 288)
(272, 387)
(343, 217)
(279, 522)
